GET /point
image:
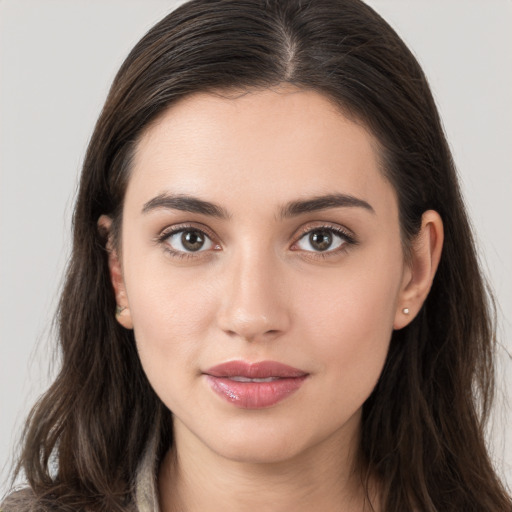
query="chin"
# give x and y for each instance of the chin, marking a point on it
(258, 451)
(259, 442)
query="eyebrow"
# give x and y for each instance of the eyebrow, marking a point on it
(295, 208)
(193, 204)
(185, 203)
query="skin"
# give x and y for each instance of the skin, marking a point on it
(261, 291)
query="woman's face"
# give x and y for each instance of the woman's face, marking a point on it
(259, 229)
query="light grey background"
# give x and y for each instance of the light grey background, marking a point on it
(57, 59)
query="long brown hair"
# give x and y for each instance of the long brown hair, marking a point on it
(423, 425)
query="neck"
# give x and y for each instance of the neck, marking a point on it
(325, 477)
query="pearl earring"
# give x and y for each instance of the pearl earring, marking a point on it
(405, 311)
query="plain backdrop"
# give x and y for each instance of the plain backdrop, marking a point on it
(57, 59)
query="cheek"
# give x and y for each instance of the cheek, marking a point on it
(356, 302)
(167, 312)
(171, 312)
(348, 321)
(165, 300)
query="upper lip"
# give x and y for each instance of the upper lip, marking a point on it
(260, 370)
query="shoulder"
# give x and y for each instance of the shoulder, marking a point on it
(24, 500)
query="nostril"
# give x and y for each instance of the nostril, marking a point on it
(253, 336)
(252, 316)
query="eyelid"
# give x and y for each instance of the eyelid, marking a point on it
(187, 226)
(347, 235)
(342, 230)
(176, 228)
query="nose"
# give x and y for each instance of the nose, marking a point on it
(255, 306)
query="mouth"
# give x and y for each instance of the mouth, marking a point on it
(239, 378)
(254, 385)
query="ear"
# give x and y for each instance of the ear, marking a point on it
(421, 269)
(123, 314)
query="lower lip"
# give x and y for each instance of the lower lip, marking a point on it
(255, 395)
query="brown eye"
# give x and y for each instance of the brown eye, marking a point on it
(192, 240)
(322, 240)
(189, 240)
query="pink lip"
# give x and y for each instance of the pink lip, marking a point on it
(254, 395)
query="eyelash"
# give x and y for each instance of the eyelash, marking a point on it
(347, 237)
(348, 240)
(164, 236)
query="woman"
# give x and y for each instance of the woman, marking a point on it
(267, 305)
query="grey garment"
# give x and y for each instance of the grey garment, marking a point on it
(146, 487)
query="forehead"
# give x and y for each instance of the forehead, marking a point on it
(272, 145)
